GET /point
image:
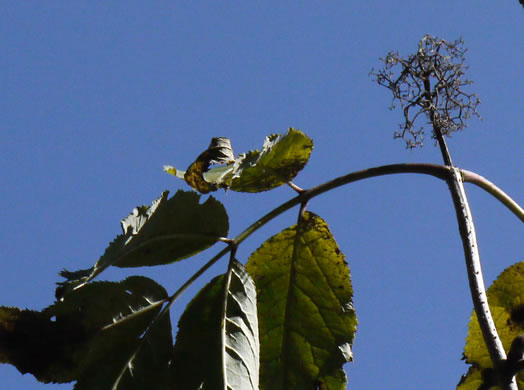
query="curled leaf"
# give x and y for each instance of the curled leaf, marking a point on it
(277, 163)
(218, 152)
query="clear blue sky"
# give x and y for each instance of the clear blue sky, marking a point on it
(95, 97)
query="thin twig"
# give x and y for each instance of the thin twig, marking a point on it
(435, 170)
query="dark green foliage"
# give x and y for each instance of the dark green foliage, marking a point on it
(167, 231)
(87, 338)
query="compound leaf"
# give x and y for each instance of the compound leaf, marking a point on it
(505, 298)
(222, 321)
(277, 163)
(306, 316)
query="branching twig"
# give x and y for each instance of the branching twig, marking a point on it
(438, 171)
(447, 105)
(485, 184)
(430, 83)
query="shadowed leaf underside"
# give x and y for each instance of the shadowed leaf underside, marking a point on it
(167, 231)
(73, 339)
(217, 346)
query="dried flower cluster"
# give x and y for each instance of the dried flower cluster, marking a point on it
(429, 82)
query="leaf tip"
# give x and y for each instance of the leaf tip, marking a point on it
(173, 171)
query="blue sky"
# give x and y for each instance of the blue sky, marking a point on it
(96, 97)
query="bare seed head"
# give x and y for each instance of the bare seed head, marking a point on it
(429, 83)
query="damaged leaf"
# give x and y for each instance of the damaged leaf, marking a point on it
(218, 152)
(277, 163)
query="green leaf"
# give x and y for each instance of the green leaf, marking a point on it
(106, 355)
(217, 344)
(173, 230)
(306, 316)
(505, 298)
(279, 161)
(74, 340)
(167, 231)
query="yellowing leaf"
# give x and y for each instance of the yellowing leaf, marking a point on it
(306, 316)
(506, 301)
(279, 161)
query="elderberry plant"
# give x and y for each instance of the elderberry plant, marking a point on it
(284, 319)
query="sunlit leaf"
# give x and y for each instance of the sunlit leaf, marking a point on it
(277, 163)
(306, 316)
(169, 230)
(217, 349)
(73, 339)
(506, 301)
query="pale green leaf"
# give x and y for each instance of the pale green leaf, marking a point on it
(306, 316)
